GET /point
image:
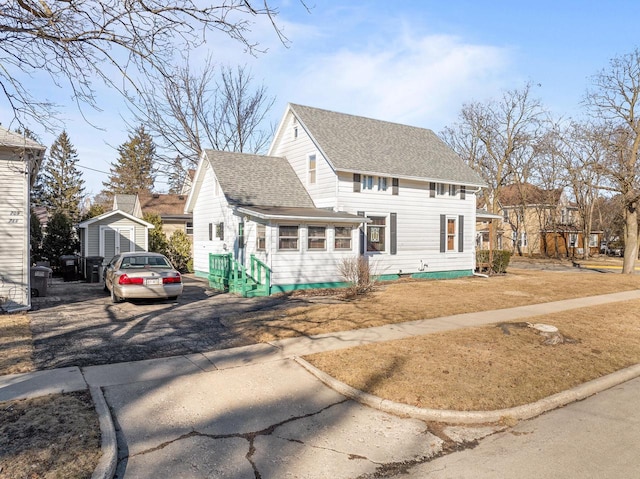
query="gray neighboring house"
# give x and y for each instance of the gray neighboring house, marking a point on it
(20, 161)
(335, 186)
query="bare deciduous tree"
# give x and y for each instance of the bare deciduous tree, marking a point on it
(213, 108)
(111, 40)
(615, 100)
(580, 149)
(498, 139)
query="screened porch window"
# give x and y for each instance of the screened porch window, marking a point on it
(317, 237)
(288, 237)
(261, 238)
(342, 237)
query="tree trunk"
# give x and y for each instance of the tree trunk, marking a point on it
(630, 238)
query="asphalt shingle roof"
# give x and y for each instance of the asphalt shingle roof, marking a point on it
(15, 140)
(163, 204)
(255, 180)
(359, 144)
(126, 203)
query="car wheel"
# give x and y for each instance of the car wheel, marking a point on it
(114, 297)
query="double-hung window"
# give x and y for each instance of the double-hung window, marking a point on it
(288, 237)
(441, 189)
(317, 237)
(312, 169)
(382, 183)
(451, 234)
(367, 182)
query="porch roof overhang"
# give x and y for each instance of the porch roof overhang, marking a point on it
(300, 214)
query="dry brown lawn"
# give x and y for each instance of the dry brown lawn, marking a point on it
(411, 300)
(55, 436)
(485, 369)
(16, 344)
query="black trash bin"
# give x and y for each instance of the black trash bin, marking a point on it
(40, 277)
(69, 267)
(93, 269)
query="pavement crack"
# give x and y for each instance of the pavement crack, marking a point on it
(250, 437)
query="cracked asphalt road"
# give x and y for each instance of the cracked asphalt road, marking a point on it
(263, 421)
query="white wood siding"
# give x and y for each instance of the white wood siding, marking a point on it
(212, 209)
(418, 225)
(304, 265)
(14, 246)
(297, 151)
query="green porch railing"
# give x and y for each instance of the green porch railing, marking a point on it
(226, 274)
(219, 271)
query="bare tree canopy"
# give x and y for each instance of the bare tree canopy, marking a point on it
(615, 99)
(211, 107)
(498, 138)
(78, 41)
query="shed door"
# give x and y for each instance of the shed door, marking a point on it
(114, 241)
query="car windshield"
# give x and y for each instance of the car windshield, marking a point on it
(144, 262)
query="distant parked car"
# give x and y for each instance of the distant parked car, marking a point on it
(141, 275)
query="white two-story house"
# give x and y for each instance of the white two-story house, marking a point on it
(335, 186)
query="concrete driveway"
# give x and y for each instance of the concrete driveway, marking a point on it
(270, 420)
(77, 324)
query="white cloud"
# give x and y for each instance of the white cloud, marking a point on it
(419, 80)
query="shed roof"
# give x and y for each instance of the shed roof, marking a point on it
(360, 144)
(108, 214)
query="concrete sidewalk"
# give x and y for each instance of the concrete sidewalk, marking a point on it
(40, 383)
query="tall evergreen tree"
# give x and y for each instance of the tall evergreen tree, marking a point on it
(35, 237)
(60, 238)
(62, 186)
(134, 171)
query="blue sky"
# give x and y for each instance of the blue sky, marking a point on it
(414, 62)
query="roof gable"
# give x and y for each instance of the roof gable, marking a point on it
(127, 203)
(360, 144)
(255, 180)
(108, 214)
